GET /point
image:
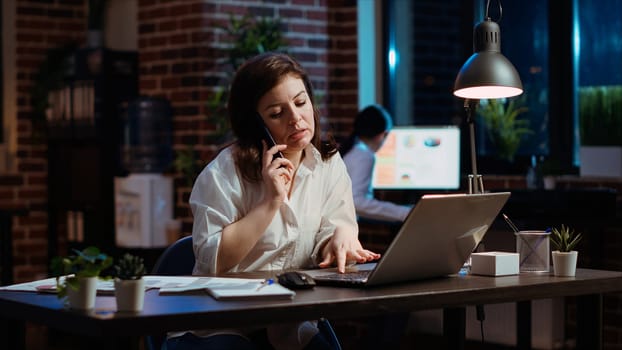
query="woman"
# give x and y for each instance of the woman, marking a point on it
(371, 127)
(254, 211)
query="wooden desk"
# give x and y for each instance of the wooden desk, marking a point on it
(198, 310)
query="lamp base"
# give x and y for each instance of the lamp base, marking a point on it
(476, 183)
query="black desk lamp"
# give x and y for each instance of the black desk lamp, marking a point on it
(486, 74)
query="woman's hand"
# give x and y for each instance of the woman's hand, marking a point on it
(344, 248)
(277, 173)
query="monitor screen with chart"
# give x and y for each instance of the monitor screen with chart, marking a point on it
(419, 157)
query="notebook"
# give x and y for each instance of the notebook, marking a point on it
(435, 240)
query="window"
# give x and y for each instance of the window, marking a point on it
(524, 41)
(599, 85)
(557, 47)
(423, 49)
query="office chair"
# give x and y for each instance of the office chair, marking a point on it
(178, 259)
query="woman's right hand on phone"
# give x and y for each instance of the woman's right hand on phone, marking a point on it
(277, 173)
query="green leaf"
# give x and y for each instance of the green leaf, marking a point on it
(565, 239)
(130, 267)
(89, 262)
(503, 126)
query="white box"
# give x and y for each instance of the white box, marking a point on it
(494, 263)
(143, 206)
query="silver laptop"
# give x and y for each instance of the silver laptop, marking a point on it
(435, 240)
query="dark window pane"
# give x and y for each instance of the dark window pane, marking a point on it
(524, 41)
(599, 61)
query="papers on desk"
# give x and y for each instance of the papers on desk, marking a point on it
(48, 285)
(224, 288)
(221, 288)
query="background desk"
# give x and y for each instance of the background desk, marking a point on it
(180, 312)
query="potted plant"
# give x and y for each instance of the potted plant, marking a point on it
(76, 276)
(504, 127)
(564, 240)
(129, 285)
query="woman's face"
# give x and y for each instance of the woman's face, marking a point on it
(288, 113)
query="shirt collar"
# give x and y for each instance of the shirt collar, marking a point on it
(312, 158)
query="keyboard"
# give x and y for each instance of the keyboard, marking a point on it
(355, 277)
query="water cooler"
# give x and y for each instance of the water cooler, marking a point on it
(144, 199)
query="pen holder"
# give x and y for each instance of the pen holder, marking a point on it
(533, 250)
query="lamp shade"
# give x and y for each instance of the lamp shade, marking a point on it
(487, 73)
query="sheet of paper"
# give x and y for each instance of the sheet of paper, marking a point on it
(218, 287)
(48, 285)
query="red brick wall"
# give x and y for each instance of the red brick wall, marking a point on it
(39, 26)
(342, 97)
(179, 53)
(181, 50)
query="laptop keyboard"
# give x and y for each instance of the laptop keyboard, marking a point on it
(351, 277)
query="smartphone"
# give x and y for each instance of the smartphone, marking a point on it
(268, 137)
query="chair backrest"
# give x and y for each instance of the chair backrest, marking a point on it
(177, 259)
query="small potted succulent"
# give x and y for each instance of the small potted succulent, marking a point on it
(129, 285)
(76, 276)
(564, 241)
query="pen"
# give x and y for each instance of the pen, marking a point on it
(512, 226)
(266, 282)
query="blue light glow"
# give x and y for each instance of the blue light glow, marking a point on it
(393, 58)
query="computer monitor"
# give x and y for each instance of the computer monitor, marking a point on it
(419, 158)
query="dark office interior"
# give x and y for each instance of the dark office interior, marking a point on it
(58, 167)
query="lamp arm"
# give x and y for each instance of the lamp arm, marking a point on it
(476, 184)
(470, 106)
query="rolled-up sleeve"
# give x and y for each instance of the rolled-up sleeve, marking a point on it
(338, 206)
(213, 202)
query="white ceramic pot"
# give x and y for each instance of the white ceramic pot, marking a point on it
(564, 263)
(130, 294)
(549, 182)
(84, 297)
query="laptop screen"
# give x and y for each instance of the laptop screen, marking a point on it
(419, 157)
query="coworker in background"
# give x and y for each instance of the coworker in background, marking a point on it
(254, 211)
(371, 127)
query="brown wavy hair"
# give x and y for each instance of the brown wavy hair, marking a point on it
(253, 79)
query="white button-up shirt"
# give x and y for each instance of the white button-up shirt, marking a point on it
(320, 201)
